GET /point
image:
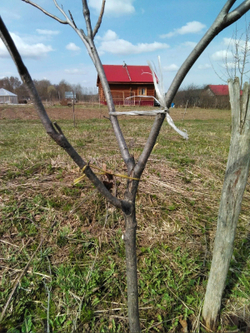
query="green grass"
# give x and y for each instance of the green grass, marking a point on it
(77, 281)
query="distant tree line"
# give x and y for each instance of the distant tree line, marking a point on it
(199, 96)
(48, 91)
(190, 97)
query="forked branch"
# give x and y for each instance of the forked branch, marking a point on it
(55, 132)
(86, 15)
(223, 20)
(88, 41)
(46, 12)
(99, 21)
(71, 22)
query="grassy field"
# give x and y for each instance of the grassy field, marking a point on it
(71, 237)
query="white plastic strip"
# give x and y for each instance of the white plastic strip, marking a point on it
(160, 93)
(137, 113)
(171, 123)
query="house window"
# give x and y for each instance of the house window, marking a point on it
(142, 91)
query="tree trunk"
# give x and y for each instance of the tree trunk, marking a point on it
(233, 188)
(131, 269)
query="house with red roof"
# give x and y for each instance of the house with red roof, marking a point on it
(218, 89)
(219, 95)
(126, 83)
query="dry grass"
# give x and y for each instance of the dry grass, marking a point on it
(82, 258)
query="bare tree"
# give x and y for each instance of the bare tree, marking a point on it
(62, 87)
(236, 59)
(236, 175)
(239, 51)
(42, 87)
(190, 95)
(10, 83)
(134, 169)
(231, 198)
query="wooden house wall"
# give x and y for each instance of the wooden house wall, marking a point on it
(121, 91)
(209, 99)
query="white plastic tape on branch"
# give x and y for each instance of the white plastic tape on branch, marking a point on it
(160, 93)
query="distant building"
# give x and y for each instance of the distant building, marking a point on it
(219, 95)
(217, 90)
(7, 97)
(128, 81)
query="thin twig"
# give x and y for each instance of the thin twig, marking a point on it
(28, 271)
(5, 242)
(71, 16)
(119, 309)
(82, 201)
(99, 19)
(45, 12)
(177, 297)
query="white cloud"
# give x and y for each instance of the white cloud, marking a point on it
(239, 42)
(190, 44)
(47, 32)
(230, 65)
(26, 50)
(110, 35)
(114, 7)
(193, 27)
(239, 45)
(204, 66)
(9, 15)
(222, 55)
(74, 71)
(168, 35)
(111, 43)
(72, 47)
(171, 68)
(227, 41)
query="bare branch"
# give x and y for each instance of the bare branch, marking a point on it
(237, 13)
(238, 47)
(71, 23)
(222, 21)
(229, 4)
(45, 12)
(88, 42)
(99, 19)
(72, 19)
(58, 135)
(86, 15)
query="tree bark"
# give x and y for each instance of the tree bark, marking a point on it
(232, 193)
(131, 265)
(223, 20)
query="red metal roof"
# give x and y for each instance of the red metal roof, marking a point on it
(219, 90)
(126, 74)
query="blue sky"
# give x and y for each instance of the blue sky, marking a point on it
(134, 31)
